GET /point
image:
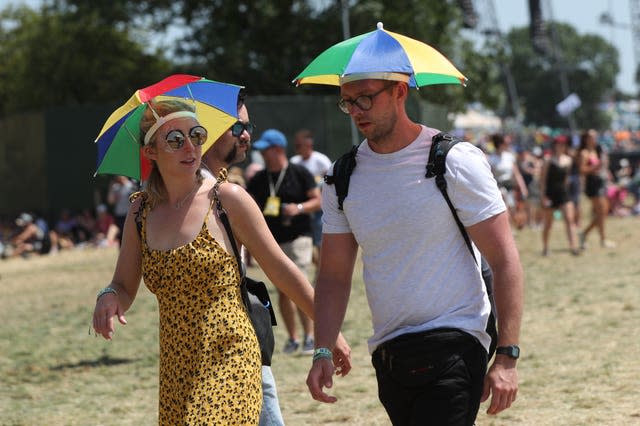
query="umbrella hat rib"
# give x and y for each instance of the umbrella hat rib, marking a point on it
(219, 95)
(331, 63)
(379, 52)
(427, 62)
(165, 85)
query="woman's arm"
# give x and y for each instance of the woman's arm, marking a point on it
(125, 281)
(252, 231)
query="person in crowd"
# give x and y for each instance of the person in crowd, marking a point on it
(427, 298)
(87, 226)
(120, 189)
(232, 148)
(554, 187)
(33, 236)
(209, 355)
(634, 188)
(505, 170)
(618, 189)
(66, 229)
(106, 229)
(318, 164)
(287, 194)
(529, 166)
(594, 168)
(575, 182)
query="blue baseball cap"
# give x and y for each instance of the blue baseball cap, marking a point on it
(269, 138)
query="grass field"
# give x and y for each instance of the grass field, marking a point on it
(580, 344)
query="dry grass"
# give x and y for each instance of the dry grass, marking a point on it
(580, 340)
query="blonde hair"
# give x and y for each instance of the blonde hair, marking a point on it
(155, 188)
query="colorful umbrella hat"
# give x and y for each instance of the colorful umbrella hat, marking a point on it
(119, 149)
(381, 51)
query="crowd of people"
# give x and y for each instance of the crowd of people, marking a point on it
(31, 234)
(546, 180)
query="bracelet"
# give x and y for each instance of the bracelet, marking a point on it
(104, 291)
(320, 353)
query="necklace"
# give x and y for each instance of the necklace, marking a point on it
(179, 204)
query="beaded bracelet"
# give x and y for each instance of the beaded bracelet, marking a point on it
(320, 353)
(104, 291)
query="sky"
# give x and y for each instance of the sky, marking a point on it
(582, 14)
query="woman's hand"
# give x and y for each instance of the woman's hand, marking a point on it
(342, 356)
(107, 306)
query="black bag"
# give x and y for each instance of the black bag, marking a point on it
(255, 296)
(440, 146)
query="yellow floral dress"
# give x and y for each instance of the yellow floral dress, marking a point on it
(210, 370)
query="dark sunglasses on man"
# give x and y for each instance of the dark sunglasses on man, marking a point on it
(239, 127)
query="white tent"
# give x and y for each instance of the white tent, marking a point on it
(477, 120)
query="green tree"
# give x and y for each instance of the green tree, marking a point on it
(63, 57)
(590, 63)
(264, 44)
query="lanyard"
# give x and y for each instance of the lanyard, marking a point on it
(273, 189)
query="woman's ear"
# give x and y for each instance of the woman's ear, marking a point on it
(150, 152)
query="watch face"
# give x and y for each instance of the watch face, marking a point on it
(512, 351)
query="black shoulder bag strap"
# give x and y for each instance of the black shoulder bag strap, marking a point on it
(222, 214)
(436, 167)
(342, 169)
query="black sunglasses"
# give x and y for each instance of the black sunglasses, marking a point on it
(239, 127)
(176, 139)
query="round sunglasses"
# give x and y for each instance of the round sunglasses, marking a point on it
(176, 139)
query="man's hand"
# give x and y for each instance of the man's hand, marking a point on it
(321, 376)
(502, 383)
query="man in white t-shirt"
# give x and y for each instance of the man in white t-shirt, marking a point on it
(428, 302)
(318, 164)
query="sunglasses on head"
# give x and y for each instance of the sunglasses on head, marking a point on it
(239, 127)
(176, 139)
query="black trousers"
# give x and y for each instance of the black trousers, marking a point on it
(431, 378)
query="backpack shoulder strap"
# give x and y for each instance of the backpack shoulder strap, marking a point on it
(436, 167)
(342, 170)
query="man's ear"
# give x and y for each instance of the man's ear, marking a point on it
(403, 90)
(150, 152)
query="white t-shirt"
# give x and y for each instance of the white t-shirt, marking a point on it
(417, 269)
(317, 163)
(502, 166)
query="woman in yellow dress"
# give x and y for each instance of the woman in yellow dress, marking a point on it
(210, 367)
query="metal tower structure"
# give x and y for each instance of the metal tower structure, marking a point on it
(489, 27)
(634, 13)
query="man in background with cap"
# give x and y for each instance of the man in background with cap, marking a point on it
(426, 294)
(287, 193)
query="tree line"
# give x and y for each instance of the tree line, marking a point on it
(68, 52)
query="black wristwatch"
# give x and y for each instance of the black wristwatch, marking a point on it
(512, 351)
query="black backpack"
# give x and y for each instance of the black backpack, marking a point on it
(440, 146)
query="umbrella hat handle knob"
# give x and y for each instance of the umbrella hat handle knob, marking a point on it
(380, 26)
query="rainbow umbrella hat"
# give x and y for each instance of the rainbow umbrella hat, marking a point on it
(379, 52)
(118, 143)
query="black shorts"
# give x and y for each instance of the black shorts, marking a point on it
(594, 186)
(431, 378)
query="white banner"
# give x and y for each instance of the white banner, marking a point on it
(568, 105)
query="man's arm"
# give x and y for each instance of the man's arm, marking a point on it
(337, 260)
(495, 241)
